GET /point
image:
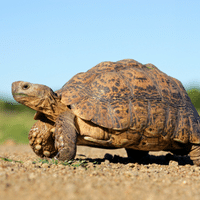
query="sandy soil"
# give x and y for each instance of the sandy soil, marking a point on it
(101, 174)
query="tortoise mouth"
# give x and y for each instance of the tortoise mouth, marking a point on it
(20, 97)
(19, 94)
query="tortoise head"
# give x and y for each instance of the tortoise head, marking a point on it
(38, 97)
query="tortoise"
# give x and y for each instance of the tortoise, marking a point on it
(122, 104)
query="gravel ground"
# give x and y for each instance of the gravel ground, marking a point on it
(96, 174)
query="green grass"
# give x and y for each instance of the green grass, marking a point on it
(194, 94)
(15, 127)
(73, 163)
(15, 122)
(10, 160)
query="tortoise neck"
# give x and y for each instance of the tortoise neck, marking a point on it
(55, 110)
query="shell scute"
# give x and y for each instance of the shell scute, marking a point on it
(128, 95)
(156, 119)
(139, 115)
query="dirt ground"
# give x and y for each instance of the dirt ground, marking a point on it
(96, 174)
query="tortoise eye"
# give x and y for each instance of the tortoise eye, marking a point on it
(25, 86)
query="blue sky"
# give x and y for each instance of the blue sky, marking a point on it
(49, 41)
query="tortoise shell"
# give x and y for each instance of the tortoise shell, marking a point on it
(129, 95)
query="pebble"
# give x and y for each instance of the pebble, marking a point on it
(28, 163)
(107, 162)
(184, 182)
(45, 165)
(61, 166)
(94, 173)
(90, 165)
(106, 169)
(131, 165)
(32, 176)
(55, 175)
(173, 163)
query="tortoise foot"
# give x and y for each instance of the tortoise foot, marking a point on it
(41, 139)
(195, 154)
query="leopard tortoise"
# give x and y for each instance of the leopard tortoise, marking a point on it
(122, 104)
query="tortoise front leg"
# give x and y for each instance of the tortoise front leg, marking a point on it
(195, 154)
(65, 136)
(41, 139)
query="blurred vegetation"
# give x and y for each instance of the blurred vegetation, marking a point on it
(194, 94)
(16, 120)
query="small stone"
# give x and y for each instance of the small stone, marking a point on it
(90, 165)
(106, 169)
(107, 162)
(184, 182)
(32, 176)
(128, 174)
(94, 173)
(61, 166)
(115, 166)
(173, 163)
(135, 173)
(167, 181)
(28, 163)
(131, 165)
(197, 168)
(45, 165)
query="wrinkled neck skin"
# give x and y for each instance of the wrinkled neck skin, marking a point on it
(51, 109)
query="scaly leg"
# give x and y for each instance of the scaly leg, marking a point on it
(65, 136)
(195, 154)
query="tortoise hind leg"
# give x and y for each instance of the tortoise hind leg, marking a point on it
(136, 154)
(65, 136)
(195, 154)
